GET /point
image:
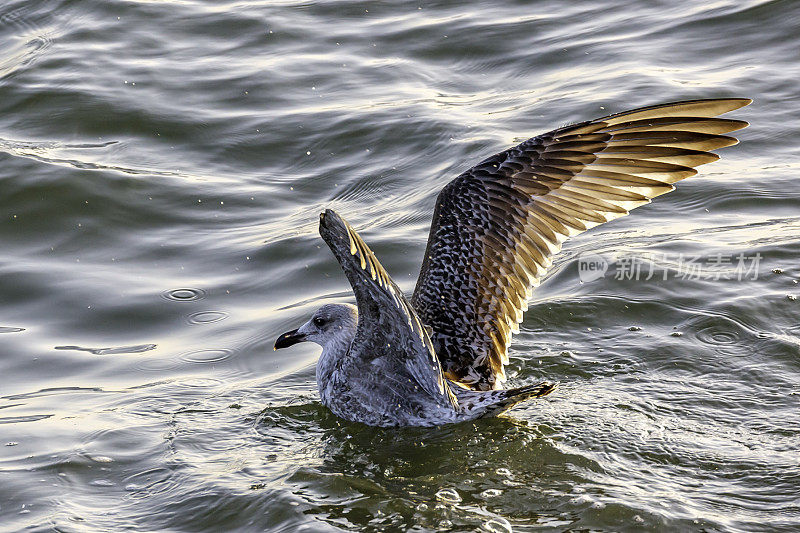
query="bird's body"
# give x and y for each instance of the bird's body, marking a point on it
(439, 358)
(379, 389)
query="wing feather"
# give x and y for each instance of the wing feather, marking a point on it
(497, 226)
(389, 330)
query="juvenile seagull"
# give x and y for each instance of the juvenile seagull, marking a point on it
(439, 358)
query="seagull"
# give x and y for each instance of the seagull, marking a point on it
(439, 357)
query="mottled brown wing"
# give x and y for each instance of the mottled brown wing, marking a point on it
(496, 226)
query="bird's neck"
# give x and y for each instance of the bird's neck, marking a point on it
(331, 358)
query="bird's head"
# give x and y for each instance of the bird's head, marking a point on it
(330, 323)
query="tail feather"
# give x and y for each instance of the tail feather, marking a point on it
(478, 404)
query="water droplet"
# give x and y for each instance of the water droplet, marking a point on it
(184, 295)
(491, 493)
(676, 334)
(450, 496)
(12, 443)
(207, 317)
(5, 329)
(498, 524)
(634, 328)
(504, 472)
(206, 356)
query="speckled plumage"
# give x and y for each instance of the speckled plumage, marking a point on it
(495, 228)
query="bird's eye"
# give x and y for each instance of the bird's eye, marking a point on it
(319, 322)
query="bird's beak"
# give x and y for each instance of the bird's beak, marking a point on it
(289, 338)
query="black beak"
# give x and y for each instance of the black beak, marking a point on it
(289, 338)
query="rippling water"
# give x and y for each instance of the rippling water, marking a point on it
(163, 166)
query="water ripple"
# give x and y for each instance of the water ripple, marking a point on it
(150, 482)
(207, 317)
(725, 334)
(138, 348)
(25, 418)
(207, 356)
(184, 295)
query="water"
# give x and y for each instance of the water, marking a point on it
(163, 167)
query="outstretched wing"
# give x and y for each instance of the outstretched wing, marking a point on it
(389, 330)
(496, 226)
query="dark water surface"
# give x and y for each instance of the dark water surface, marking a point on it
(162, 167)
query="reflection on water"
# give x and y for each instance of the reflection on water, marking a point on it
(160, 193)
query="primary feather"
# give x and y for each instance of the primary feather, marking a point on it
(497, 226)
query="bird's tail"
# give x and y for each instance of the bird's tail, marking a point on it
(492, 403)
